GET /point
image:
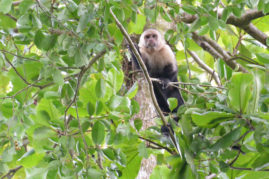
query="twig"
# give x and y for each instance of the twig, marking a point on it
(145, 72)
(205, 67)
(187, 60)
(82, 134)
(81, 73)
(11, 172)
(152, 142)
(26, 58)
(22, 78)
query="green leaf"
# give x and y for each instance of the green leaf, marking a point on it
(143, 150)
(257, 87)
(109, 153)
(115, 78)
(90, 108)
(132, 91)
(261, 162)
(5, 6)
(138, 124)
(172, 102)
(94, 173)
(165, 15)
(138, 26)
(98, 133)
(25, 5)
(227, 140)
(239, 92)
(57, 77)
(44, 41)
(160, 172)
(41, 138)
(210, 118)
(84, 21)
(100, 88)
(213, 23)
(30, 159)
(263, 57)
(189, 9)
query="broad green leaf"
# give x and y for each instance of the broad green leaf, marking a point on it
(30, 159)
(45, 41)
(90, 108)
(98, 133)
(109, 153)
(263, 57)
(160, 172)
(94, 173)
(257, 87)
(143, 151)
(84, 21)
(5, 6)
(165, 15)
(25, 5)
(57, 77)
(210, 118)
(261, 162)
(189, 9)
(227, 140)
(172, 102)
(138, 124)
(100, 88)
(133, 161)
(138, 26)
(213, 23)
(41, 139)
(240, 91)
(132, 91)
(115, 78)
(36, 173)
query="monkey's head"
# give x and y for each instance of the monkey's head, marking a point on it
(151, 40)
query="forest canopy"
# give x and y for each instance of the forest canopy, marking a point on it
(67, 107)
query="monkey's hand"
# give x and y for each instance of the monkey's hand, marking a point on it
(165, 83)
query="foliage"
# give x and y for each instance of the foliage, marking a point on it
(65, 108)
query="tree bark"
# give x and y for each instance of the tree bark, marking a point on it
(147, 114)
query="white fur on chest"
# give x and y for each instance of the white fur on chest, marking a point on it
(157, 60)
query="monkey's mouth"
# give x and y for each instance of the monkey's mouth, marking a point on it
(151, 45)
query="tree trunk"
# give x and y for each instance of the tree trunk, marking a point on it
(147, 114)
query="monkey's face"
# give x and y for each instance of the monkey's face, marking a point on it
(151, 40)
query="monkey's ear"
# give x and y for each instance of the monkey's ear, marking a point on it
(142, 41)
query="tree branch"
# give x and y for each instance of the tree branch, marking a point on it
(22, 78)
(205, 67)
(11, 172)
(244, 22)
(80, 75)
(162, 147)
(215, 50)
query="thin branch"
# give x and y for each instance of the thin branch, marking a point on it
(11, 17)
(249, 169)
(81, 73)
(82, 135)
(11, 172)
(215, 50)
(205, 67)
(162, 147)
(26, 58)
(22, 78)
(145, 72)
(244, 22)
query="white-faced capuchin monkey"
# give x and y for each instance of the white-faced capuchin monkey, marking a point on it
(161, 63)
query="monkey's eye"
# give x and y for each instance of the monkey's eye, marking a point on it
(154, 35)
(147, 36)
